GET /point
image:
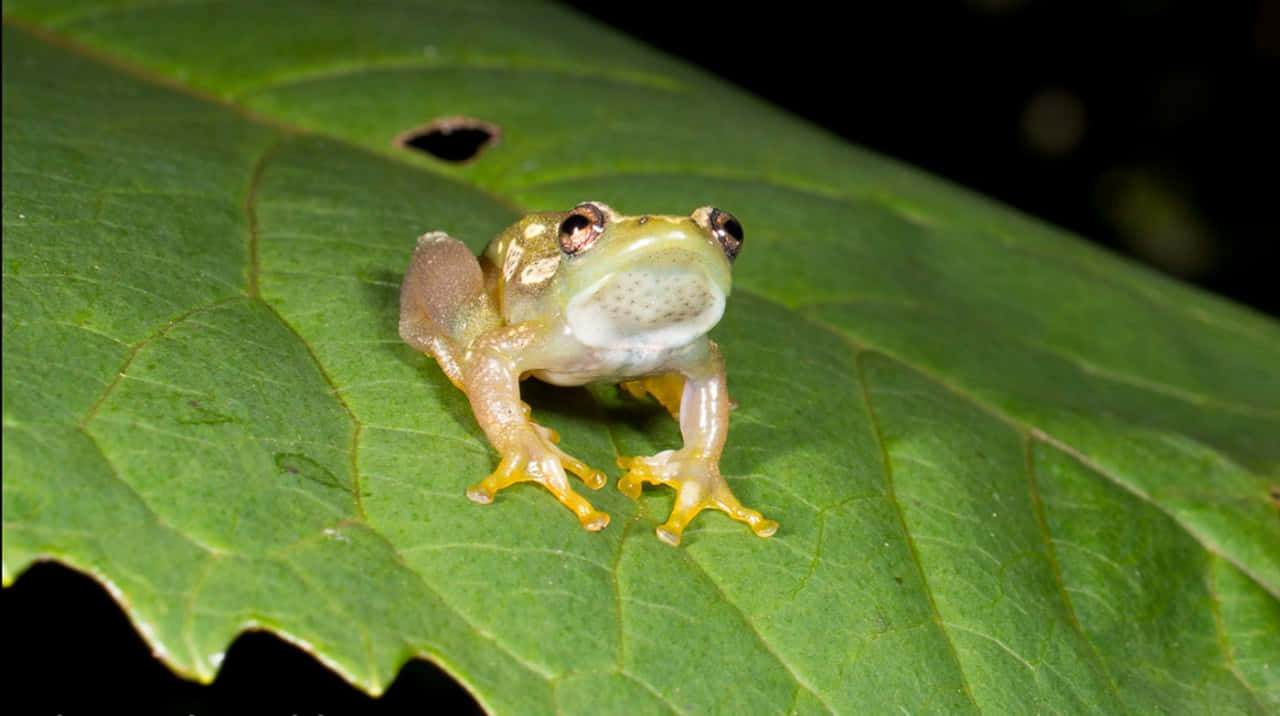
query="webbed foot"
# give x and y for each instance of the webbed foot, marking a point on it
(699, 486)
(538, 459)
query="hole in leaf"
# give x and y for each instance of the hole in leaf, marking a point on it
(453, 139)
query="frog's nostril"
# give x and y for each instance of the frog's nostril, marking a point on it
(453, 139)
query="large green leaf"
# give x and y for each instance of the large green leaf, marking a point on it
(1013, 473)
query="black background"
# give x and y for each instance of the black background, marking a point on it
(1145, 126)
(1171, 155)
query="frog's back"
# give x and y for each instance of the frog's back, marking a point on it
(520, 265)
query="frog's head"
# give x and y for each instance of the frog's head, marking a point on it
(654, 281)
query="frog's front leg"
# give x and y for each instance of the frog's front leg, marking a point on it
(491, 369)
(694, 469)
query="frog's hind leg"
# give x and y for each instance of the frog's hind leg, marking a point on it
(443, 302)
(666, 388)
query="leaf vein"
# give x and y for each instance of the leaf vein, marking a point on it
(1042, 523)
(902, 522)
(1037, 433)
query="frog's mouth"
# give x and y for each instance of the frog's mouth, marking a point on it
(651, 307)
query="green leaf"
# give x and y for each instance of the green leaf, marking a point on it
(1013, 472)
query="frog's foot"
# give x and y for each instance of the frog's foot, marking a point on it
(537, 459)
(594, 479)
(699, 486)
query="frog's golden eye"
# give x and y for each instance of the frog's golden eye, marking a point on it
(581, 228)
(727, 230)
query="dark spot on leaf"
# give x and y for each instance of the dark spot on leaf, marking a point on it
(453, 139)
(193, 412)
(883, 623)
(898, 580)
(306, 468)
(1274, 493)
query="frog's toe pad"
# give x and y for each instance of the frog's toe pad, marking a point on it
(666, 535)
(479, 495)
(594, 521)
(630, 485)
(594, 479)
(765, 528)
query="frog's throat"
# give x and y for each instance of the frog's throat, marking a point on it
(645, 308)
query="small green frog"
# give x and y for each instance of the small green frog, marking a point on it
(585, 296)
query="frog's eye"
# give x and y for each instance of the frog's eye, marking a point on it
(581, 228)
(727, 230)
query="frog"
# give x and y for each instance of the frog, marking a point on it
(583, 296)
